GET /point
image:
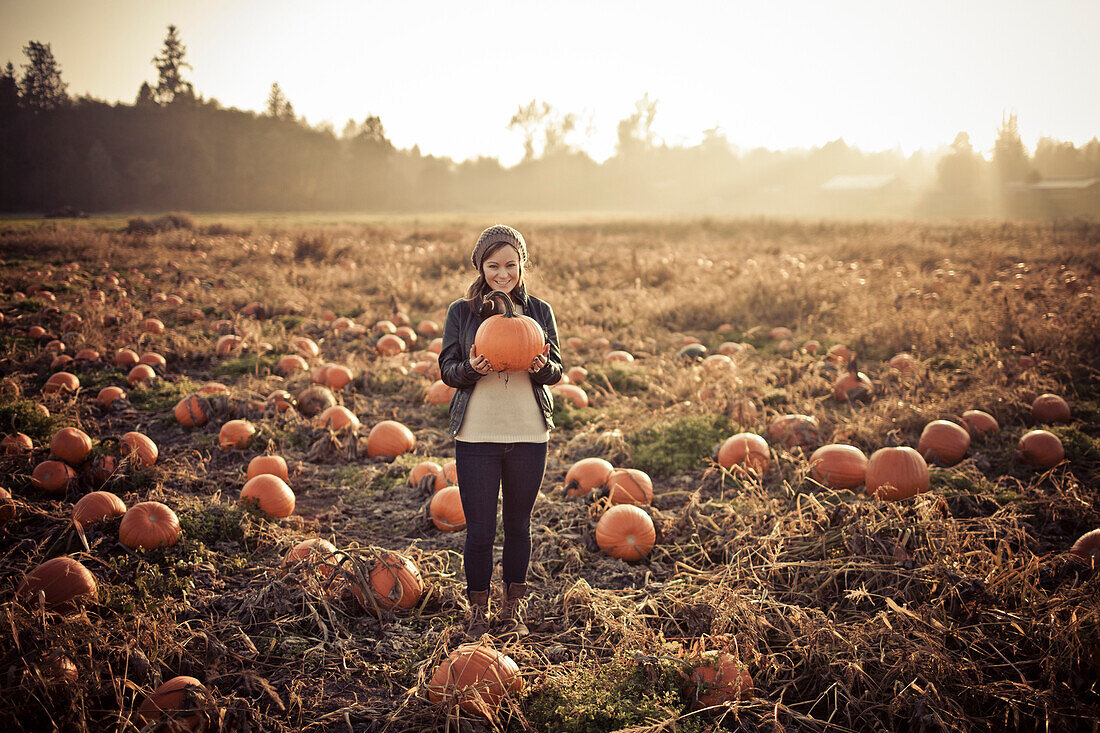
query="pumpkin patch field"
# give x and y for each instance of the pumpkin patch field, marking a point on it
(804, 477)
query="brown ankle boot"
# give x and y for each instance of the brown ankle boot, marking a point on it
(510, 618)
(477, 621)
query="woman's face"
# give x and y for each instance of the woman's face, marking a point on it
(502, 269)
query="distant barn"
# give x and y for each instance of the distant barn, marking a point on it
(1056, 197)
(866, 193)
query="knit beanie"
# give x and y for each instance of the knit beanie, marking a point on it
(493, 235)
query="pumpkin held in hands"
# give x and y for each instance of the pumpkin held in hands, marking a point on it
(509, 341)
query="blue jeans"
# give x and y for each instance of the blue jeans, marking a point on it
(486, 471)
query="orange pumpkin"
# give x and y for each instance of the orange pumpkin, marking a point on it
(509, 341)
(618, 357)
(87, 354)
(290, 364)
(271, 494)
(440, 394)
(390, 345)
(436, 345)
(902, 362)
(571, 392)
(144, 450)
(428, 468)
(336, 376)
(630, 486)
(896, 473)
(148, 525)
(577, 374)
(192, 411)
(811, 347)
(280, 400)
(979, 422)
(337, 418)
(746, 454)
(943, 442)
(60, 360)
(102, 468)
(1087, 546)
(153, 359)
(7, 506)
(97, 506)
(53, 477)
(71, 445)
(450, 470)
(718, 678)
(794, 430)
(385, 326)
(838, 466)
(64, 583)
(108, 395)
(140, 374)
(1041, 448)
(275, 465)
(61, 382)
(839, 354)
(477, 678)
(179, 699)
(236, 434)
(396, 581)
(320, 554)
(446, 510)
(152, 325)
(228, 344)
(314, 400)
(1049, 408)
(626, 532)
(389, 438)
(16, 444)
(587, 474)
(306, 347)
(853, 386)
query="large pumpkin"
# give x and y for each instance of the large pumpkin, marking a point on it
(389, 438)
(745, 454)
(630, 486)
(275, 465)
(509, 341)
(149, 525)
(53, 477)
(192, 411)
(896, 473)
(271, 494)
(446, 510)
(64, 583)
(180, 699)
(1049, 408)
(943, 442)
(236, 434)
(1041, 448)
(396, 581)
(71, 445)
(626, 532)
(476, 677)
(97, 506)
(587, 474)
(838, 466)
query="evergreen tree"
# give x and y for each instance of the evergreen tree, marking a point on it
(41, 87)
(278, 106)
(1010, 158)
(171, 86)
(9, 92)
(145, 97)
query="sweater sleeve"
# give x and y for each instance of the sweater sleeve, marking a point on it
(454, 365)
(551, 372)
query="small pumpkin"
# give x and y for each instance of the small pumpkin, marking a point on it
(228, 344)
(140, 446)
(53, 477)
(7, 506)
(192, 411)
(853, 386)
(236, 434)
(446, 510)
(152, 325)
(389, 438)
(180, 699)
(618, 356)
(450, 470)
(314, 400)
(1048, 408)
(509, 341)
(838, 466)
(428, 468)
(587, 474)
(319, 552)
(290, 364)
(943, 442)
(436, 345)
(571, 392)
(71, 445)
(390, 345)
(979, 422)
(840, 355)
(718, 678)
(280, 400)
(107, 396)
(794, 430)
(626, 532)
(630, 486)
(17, 444)
(96, 506)
(306, 347)
(440, 393)
(148, 525)
(337, 418)
(903, 362)
(271, 494)
(153, 359)
(745, 454)
(896, 473)
(65, 584)
(140, 374)
(1040, 448)
(577, 375)
(428, 328)
(477, 678)
(337, 376)
(395, 581)
(1087, 547)
(61, 382)
(275, 465)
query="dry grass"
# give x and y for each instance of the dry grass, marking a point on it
(958, 610)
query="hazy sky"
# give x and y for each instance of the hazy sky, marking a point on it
(448, 75)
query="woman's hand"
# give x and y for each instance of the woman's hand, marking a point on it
(479, 362)
(540, 360)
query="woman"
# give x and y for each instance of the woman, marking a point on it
(501, 424)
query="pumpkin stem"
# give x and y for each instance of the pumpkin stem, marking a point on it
(852, 368)
(506, 301)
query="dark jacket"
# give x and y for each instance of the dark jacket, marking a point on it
(454, 359)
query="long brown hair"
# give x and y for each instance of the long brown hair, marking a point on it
(479, 288)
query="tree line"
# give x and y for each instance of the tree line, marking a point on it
(173, 149)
